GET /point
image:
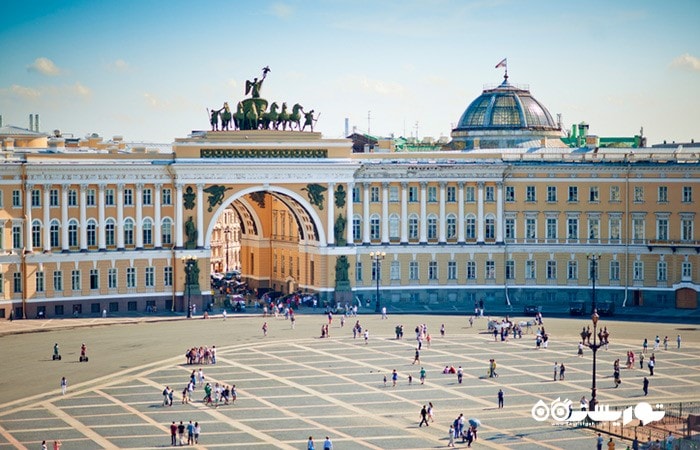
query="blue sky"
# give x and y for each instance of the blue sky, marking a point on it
(148, 70)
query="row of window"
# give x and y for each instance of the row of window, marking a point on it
(552, 196)
(147, 230)
(552, 231)
(90, 197)
(57, 278)
(551, 270)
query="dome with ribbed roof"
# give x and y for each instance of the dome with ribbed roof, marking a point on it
(505, 116)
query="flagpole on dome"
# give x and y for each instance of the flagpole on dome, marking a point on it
(504, 64)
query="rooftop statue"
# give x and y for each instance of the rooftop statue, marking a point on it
(253, 87)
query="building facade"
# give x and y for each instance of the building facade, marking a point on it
(95, 225)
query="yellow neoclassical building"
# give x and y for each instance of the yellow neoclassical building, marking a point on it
(506, 214)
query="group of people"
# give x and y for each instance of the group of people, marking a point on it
(201, 355)
(461, 429)
(177, 433)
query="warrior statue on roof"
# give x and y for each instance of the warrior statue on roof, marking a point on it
(253, 87)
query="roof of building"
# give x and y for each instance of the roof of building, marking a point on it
(11, 131)
(506, 107)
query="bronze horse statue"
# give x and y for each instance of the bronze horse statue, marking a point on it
(283, 117)
(295, 117)
(269, 119)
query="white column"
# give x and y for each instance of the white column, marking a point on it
(442, 235)
(157, 226)
(83, 218)
(47, 218)
(29, 246)
(499, 212)
(350, 212)
(460, 212)
(200, 215)
(404, 212)
(179, 223)
(423, 212)
(365, 213)
(64, 217)
(385, 213)
(330, 228)
(138, 229)
(480, 212)
(120, 217)
(101, 232)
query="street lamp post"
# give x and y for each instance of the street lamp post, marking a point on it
(227, 233)
(377, 258)
(594, 318)
(190, 262)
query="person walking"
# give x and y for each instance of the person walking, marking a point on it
(366, 336)
(611, 444)
(678, 342)
(556, 370)
(181, 433)
(500, 398)
(645, 346)
(460, 374)
(424, 417)
(430, 412)
(264, 329)
(327, 444)
(190, 433)
(417, 357)
(422, 375)
(394, 378)
(64, 385)
(173, 433)
(651, 365)
(310, 444)
(451, 436)
(599, 442)
(562, 369)
(645, 386)
(197, 431)
(665, 342)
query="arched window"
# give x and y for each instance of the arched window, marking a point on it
(470, 226)
(451, 226)
(147, 232)
(413, 227)
(374, 227)
(167, 231)
(92, 233)
(128, 232)
(36, 233)
(357, 228)
(432, 226)
(55, 233)
(110, 232)
(73, 233)
(490, 227)
(394, 225)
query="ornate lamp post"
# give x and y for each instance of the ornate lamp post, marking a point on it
(227, 234)
(594, 318)
(190, 262)
(377, 258)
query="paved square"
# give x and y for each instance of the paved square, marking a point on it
(292, 384)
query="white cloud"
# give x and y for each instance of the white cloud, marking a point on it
(119, 65)
(281, 10)
(374, 86)
(81, 90)
(154, 102)
(21, 92)
(44, 66)
(686, 61)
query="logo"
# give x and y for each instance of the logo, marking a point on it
(561, 411)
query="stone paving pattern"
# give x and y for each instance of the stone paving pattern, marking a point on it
(292, 384)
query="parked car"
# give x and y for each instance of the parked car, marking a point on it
(606, 308)
(577, 308)
(531, 310)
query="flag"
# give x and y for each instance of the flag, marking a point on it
(503, 63)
